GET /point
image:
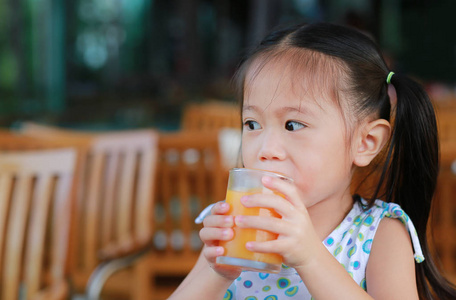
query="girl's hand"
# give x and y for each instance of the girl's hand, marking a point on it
(297, 242)
(218, 227)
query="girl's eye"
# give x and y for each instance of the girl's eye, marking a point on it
(293, 125)
(252, 125)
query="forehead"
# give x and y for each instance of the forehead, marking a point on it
(298, 74)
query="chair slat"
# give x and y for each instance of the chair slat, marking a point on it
(144, 205)
(15, 237)
(92, 209)
(126, 191)
(61, 227)
(36, 238)
(6, 181)
(107, 226)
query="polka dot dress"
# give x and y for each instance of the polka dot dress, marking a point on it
(350, 243)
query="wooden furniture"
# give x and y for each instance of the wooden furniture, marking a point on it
(444, 210)
(114, 208)
(189, 177)
(211, 115)
(35, 191)
(13, 141)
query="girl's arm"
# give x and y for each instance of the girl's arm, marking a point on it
(202, 283)
(207, 280)
(390, 272)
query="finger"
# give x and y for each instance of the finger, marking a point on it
(211, 234)
(273, 246)
(286, 188)
(220, 208)
(271, 224)
(212, 252)
(218, 221)
(279, 204)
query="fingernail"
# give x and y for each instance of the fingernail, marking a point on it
(225, 232)
(267, 179)
(249, 245)
(245, 199)
(224, 205)
(238, 219)
(229, 220)
(219, 250)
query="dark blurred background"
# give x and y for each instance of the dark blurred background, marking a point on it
(117, 64)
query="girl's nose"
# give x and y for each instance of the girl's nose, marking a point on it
(271, 148)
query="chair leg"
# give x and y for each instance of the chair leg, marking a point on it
(144, 287)
(102, 273)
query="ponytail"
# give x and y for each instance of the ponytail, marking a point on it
(410, 173)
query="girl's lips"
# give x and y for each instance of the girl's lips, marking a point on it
(279, 173)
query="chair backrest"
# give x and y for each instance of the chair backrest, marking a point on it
(13, 141)
(190, 176)
(114, 203)
(446, 121)
(35, 190)
(118, 203)
(443, 224)
(211, 115)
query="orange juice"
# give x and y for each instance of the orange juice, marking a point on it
(235, 248)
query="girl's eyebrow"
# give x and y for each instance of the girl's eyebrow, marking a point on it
(281, 111)
(250, 108)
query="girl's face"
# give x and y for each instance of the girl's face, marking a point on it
(287, 130)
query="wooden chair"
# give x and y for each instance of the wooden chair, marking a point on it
(189, 177)
(211, 115)
(13, 141)
(35, 191)
(114, 208)
(444, 209)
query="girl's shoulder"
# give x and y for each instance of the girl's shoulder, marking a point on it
(391, 257)
(352, 241)
(372, 217)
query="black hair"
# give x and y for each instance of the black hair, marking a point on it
(411, 164)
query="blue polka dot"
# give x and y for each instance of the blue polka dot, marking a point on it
(368, 221)
(292, 291)
(360, 236)
(248, 284)
(363, 284)
(271, 297)
(228, 295)
(263, 275)
(352, 251)
(283, 283)
(329, 241)
(357, 221)
(367, 246)
(355, 265)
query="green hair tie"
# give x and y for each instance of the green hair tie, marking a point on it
(388, 78)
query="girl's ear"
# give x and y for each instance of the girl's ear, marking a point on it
(371, 141)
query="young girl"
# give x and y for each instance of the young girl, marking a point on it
(315, 107)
